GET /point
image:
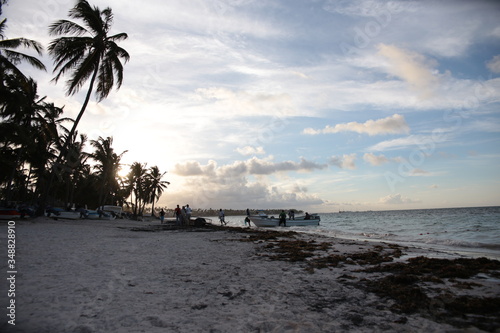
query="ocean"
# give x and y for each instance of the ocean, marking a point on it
(473, 232)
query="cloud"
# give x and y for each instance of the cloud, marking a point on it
(211, 185)
(396, 199)
(242, 193)
(246, 102)
(494, 64)
(424, 142)
(194, 168)
(253, 166)
(262, 167)
(411, 67)
(375, 160)
(248, 150)
(394, 124)
(344, 162)
(419, 172)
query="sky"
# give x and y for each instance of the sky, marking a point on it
(318, 105)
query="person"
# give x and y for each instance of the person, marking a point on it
(248, 212)
(184, 219)
(307, 217)
(162, 216)
(247, 220)
(221, 217)
(177, 212)
(291, 215)
(282, 218)
(188, 213)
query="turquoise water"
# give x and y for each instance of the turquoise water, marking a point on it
(470, 231)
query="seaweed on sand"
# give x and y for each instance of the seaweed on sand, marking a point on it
(405, 285)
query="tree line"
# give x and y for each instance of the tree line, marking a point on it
(43, 159)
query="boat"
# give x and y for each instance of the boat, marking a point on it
(98, 215)
(115, 211)
(262, 220)
(59, 213)
(9, 214)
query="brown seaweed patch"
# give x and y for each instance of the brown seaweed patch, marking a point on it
(377, 256)
(404, 286)
(443, 268)
(296, 250)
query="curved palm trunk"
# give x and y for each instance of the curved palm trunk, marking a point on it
(84, 107)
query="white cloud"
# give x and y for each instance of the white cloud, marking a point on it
(394, 124)
(244, 103)
(344, 162)
(396, 199)
(194, 168)
(425, 142)
(375, 160)
(412, 67)
(494, 64)
(249, 150)
(253, 166)
(419, 172)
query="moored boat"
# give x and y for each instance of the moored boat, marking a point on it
(59, 213)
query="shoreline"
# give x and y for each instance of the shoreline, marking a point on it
(128, 276)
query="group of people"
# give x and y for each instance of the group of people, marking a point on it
(182, 215)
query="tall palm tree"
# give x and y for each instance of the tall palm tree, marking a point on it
(155, 186)
(10, 58)
(89, 53)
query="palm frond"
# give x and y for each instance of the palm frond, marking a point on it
(66, 27)
(17, 57)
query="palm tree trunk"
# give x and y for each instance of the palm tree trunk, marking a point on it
(153, 196)
(84, 107)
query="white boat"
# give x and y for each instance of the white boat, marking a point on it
(59, 213)
(263, 220)
(114, 210)
(96, 215)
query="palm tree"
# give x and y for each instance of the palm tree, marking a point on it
(10, 58)
(155, 186)
(89, 53)
(136, 182)
(107, 167)
(29, 127)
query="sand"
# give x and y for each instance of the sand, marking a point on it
(131, 276)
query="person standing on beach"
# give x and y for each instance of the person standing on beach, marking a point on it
(282, 218)
(221, 217)
(188, 213)
(177, 212)
(183, 216)
(162, 216)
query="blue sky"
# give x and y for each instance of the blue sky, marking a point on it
(318, 105)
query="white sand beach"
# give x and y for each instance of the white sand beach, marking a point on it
(130, 276)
